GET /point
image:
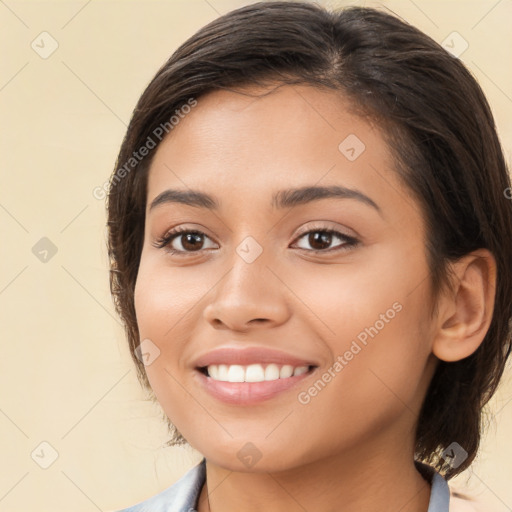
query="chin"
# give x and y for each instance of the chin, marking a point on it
(248, 457)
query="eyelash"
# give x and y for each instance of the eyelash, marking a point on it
(165, 241)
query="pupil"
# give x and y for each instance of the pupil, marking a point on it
(191, 238)
(320, 236)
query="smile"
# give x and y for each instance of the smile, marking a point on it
(252, 372)
(251, 384)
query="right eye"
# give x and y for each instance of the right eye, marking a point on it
(187, 240)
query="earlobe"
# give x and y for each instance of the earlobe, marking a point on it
(465, 313)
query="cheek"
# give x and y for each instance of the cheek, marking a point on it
(373, 318)
(375, 380)
(164, 297)
(168, 302)
(348, 298)
(159, 307)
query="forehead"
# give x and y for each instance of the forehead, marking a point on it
(236, 143)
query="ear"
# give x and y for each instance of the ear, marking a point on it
(465, 313)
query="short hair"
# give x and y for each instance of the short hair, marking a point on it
(438, 126)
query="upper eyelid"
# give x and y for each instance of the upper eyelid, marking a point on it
(320, 227)
(174, 232)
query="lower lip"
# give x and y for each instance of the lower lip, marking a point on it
(249, 393)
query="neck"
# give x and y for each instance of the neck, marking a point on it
(369, 481)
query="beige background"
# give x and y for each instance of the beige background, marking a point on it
(66, 378)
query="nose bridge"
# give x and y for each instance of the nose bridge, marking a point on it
(248, 290)
(248, 269)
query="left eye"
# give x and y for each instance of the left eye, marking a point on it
(323, 238)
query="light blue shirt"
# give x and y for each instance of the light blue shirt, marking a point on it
(183, 495)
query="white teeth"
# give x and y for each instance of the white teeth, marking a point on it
(253, 372)
(286, 371)
(213, 370)
(272, 372)
(300, 370)
(236, 373)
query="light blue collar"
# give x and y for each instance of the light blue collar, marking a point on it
(440, 492)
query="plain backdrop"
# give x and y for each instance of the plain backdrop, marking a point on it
(76, 431)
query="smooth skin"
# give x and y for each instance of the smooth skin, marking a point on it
(351, 447)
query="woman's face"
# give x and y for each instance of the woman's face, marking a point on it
(263, 273)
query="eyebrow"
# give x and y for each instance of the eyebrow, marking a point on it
(280, 200)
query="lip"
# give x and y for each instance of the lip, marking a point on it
(250, 355)
(248, 393)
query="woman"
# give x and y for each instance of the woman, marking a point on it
(306, 229)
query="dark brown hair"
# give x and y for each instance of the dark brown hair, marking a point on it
(438, 125)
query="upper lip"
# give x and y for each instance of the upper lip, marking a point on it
(250, 355)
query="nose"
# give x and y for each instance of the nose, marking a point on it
(249, 295)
